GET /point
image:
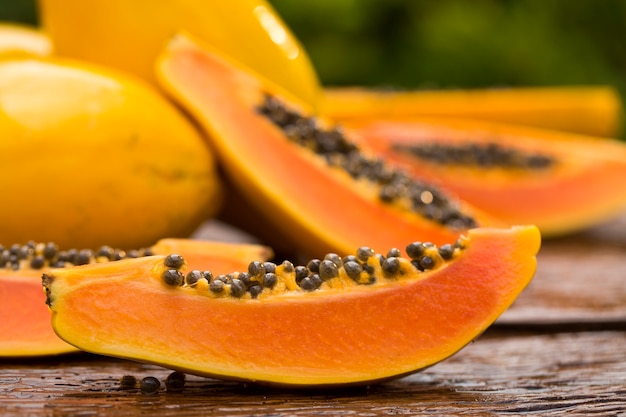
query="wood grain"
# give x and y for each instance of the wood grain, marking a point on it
(543, 374)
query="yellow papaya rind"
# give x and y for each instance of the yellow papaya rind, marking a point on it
(331, 336)
(20, 40)
(251, 31)
(108, 159)
(590, 110)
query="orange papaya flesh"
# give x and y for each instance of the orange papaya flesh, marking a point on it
(300, 188)
(399, 318)
(591, 110)
(561, 182)
(24, 319)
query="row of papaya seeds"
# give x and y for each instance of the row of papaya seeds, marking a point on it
(125, 140)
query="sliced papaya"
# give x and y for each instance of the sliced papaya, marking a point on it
(562, 182)
(24, 319)
(308, 180)
(91, 156)
(591, 110)
(356, 319)
(106, 32)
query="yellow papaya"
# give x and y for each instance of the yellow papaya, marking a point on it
(18, 40)
(129, 34)
(91, 156)
(591, 110)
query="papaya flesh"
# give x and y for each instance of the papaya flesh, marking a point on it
(372, 317)
(25, 328)
(561, 182)
(306, 179)
(590, 110)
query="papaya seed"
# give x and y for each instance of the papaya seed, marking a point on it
(175, 381)
(269, 267)
(363, 253)
(149, 385)
(237, 288)
(37, 262)
(446, 251)
(174, 260)
(173, 277)
(301, 272)
(128, 382)
(256, 268)
(217, 286)
(391, 265)
(353, 269)
(314, 265)
(328, 270)
(193, 277)
(270, 280)
(255, 290)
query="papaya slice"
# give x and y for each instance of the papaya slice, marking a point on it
(590, 110)
(353, 320)
(561, 182)
(307, 180)
(24, 319)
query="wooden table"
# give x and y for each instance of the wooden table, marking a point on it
(561, 349)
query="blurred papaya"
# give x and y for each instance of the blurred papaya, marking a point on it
(92, 156)
(20, 39)
(129, 34)
(590, 110)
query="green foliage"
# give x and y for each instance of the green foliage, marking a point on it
(451, 43)
(460, 43)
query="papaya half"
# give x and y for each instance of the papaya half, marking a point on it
(91, 156)
(356, 319)
(129, 34)
(591, 110)
(23, 40)
(25, 328)
(306, 180)
(561, 182)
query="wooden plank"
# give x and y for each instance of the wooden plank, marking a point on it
(543, 374)
(579, 279)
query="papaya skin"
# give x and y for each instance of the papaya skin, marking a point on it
(17, 40)
(590, 110)
(331, 336)
(25, 329)
(249, 30)
(581, 189)
(90, 156)
(294, 191)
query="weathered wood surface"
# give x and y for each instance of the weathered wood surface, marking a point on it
(579, 279)
(560, 350)
(542, 374)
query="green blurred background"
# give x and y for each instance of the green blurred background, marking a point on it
(451, 43)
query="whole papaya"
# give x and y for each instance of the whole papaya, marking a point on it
(90, 156)
(130, 34)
